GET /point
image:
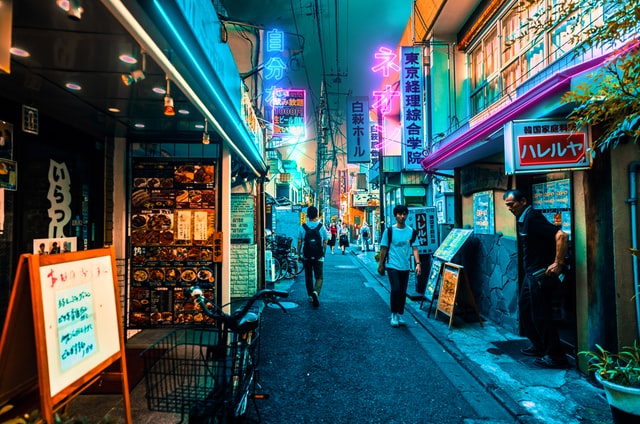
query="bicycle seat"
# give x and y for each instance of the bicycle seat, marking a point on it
(248, 323)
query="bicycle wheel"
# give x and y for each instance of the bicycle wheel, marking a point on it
(282, 267)
(276, 270)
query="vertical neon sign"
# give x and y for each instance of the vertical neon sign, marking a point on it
(411, 105)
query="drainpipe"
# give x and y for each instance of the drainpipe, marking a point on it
(633, 203)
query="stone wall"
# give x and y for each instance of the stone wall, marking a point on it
(243, 270)
(491, 263)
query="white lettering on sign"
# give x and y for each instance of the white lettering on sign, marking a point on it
(60, 197)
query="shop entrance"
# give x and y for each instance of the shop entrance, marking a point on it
(552, 194)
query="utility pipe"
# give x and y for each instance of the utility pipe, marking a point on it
(633, 204)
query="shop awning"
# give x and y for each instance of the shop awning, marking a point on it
(470, 144)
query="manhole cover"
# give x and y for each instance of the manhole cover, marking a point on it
(285, 305)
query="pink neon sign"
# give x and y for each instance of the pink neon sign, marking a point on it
(386, 63)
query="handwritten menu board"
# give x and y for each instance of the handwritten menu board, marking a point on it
(63, 330)
(81, 321)
(173, 223)
(452, 244)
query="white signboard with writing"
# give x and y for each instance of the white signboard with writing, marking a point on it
(80, 318)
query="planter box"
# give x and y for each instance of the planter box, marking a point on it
(624, 401)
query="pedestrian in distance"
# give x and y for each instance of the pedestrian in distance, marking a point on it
(544, 248)
(365, 234)
(398, 246)
(312, 245)
(344, 237)
(333, 230)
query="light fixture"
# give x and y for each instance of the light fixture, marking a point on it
(169, 110)
(137, 75)
(205, 134)
(75, 10)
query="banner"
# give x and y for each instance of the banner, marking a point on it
(411, 82)
(358, 140)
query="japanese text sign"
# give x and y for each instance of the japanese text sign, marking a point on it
(542, 144)
(358, 139)
(288, 113)
(411, 82)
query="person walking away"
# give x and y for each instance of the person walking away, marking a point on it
(544, 248)
(333, 229)
(365, 233)
(398, 247)
(344, 237)
(312, 244)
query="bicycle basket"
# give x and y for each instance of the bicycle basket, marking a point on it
(184, 367)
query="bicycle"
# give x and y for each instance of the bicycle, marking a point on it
(284, 259)
(209, 372)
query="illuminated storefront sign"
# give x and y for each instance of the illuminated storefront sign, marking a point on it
(288, 113)
(411, 82)
(386, 63)
(540, 145)
(358, 139)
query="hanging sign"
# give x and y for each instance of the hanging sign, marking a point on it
(358, 138)
(288, 113)
(411, 106)
(539, 145)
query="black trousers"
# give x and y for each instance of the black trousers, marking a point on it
(536, 315)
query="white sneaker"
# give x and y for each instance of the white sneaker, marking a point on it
(394, 320)
(401, 320)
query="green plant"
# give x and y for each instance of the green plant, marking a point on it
(621, 368)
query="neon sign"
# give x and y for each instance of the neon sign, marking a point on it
(386, 63)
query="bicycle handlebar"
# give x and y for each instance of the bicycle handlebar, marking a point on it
(241, 316)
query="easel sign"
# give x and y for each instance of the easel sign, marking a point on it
(449, 293)
(75, 328)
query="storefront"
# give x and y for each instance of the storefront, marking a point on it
(156, 186)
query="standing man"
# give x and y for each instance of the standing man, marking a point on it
(312, 243)
(399, 249)
(544, 248)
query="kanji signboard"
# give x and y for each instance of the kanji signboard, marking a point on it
(540, 145)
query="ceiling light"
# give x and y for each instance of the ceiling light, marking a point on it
(183, 112)
(139, 125)
(137, 75)
(169, 109)
(205, 134)
(113, 110)
(75, 10)
(73, 86)
(19, 52)
(127, 59)
(159, 90)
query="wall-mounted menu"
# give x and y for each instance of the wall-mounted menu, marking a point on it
(173, 218)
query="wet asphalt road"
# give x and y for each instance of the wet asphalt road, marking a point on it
(343, 363)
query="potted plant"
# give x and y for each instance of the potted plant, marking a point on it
(619, 374)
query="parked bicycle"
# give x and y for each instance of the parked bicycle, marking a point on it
(209, 372)
(284, 260)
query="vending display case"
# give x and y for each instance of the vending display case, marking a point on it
(173, 237)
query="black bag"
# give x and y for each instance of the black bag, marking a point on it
(312, 248)
(365, 232)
